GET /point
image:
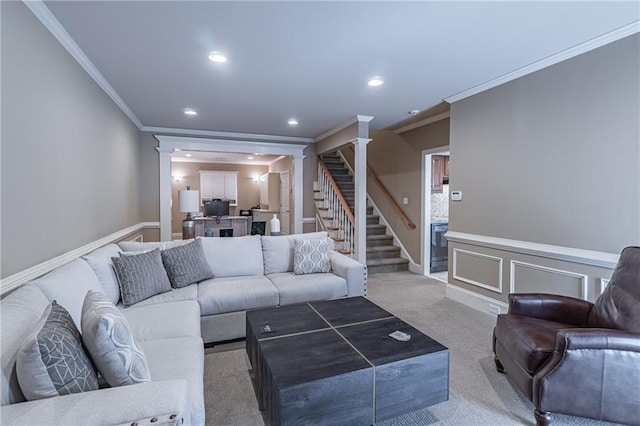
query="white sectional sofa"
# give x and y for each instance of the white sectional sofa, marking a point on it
(248, 273)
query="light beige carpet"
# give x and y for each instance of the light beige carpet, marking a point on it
(478, 395)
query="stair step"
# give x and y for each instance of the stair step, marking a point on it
(392, 264)
(373, 219)
(343, 251)
(383, 252)
(338, 239)
(379, 240)
(333, 228)
(318, 199)
(327, 217)
(376, 229)
(323, 208)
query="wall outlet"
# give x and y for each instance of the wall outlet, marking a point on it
(494, 309)
(405, 200)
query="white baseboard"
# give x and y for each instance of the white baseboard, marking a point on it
(16, 280)
(474, 300)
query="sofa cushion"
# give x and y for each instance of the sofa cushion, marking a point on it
(234, 257)
(68, 285)
(140, 276)
(151, 245)
(186, 264)
(305, 288)
(52, 360)
(311, 256)
(181, 358)
(530, 341)
(100, 261)
(189, 292)
(164, 320)
(113, 348)
(278, 251)
(20, 312)
(230, 294)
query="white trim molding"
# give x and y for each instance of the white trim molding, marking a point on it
(581, 48)
(228, 135)
(474, 300)
(16, 280)
(568, 254)
(308, 220)
(458, 277)
(350, 122)
(603, 285)
(513, 264)
(42, 12)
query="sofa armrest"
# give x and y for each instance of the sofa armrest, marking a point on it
(593, 372)
(354, 272)
(167, 401)
(550, 307)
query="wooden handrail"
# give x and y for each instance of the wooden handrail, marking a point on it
(344, 204)
(386, 193)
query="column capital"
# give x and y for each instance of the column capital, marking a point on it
(358, 141)
(165, 150)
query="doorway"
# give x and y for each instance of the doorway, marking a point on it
(435, 212)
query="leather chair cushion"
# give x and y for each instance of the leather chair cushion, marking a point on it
(618, 306)
(529, 341)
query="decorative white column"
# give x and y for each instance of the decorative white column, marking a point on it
(360, 214)
(297, 193)
(165, 192)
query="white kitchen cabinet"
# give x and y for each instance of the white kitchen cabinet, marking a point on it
(270, 191)
(219, 185)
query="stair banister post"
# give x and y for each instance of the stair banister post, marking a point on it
(360, 213)
(297, 193)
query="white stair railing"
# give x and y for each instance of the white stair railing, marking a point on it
(336, 216)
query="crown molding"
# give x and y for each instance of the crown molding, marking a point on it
(42, 12)
(190, 143)
(579, 49)
(423, 122)
(228, 135)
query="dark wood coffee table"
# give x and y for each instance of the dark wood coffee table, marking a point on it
(333, 362)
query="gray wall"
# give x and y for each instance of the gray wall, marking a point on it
(551, 158)
(554, 157)
(70, 157)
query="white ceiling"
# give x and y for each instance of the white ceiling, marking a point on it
(311, 60)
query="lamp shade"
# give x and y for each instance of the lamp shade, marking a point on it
(189, 200)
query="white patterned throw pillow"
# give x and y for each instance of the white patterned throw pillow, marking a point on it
(311, 256)
(108, 338)
(52, 360)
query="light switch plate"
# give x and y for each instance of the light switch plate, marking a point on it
(405, 200)
(456, 195)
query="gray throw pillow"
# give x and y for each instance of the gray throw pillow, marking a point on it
(186, 264)
(140, 276)
(108, 337)
(311, 256)
(52, 360)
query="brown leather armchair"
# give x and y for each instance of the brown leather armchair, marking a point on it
(574, 357)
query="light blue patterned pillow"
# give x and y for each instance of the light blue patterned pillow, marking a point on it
(52, 360)
(311, 256)
(110, 341)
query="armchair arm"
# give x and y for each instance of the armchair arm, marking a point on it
(593, 372)
(167, 401)
(550, 307)
(354, 272)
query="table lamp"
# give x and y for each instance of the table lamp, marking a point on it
(189, 201)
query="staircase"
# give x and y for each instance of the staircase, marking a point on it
(382, 255)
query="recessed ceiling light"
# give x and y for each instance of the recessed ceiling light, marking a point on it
(249, 158)
(376, 81)
(190, 111)
(414, 112)
(217, 57)
(292, 122)
(187, 155)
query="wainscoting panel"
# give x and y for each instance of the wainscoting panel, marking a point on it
(531, 278)
(603, 284)
(478, 269)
